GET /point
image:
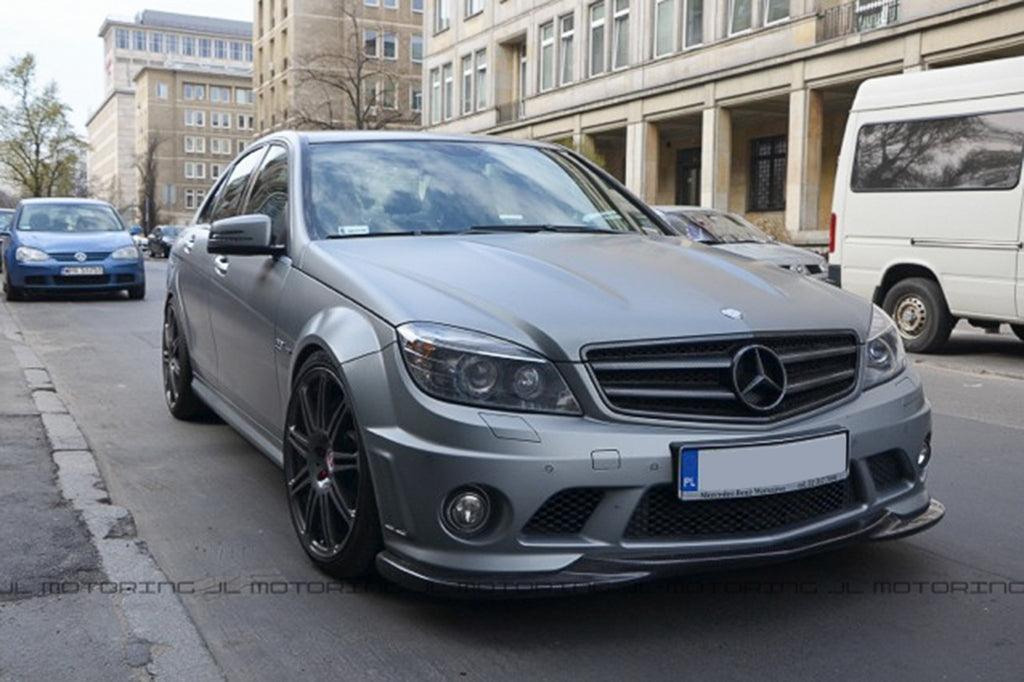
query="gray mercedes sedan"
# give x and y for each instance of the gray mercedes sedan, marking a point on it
(484, 365)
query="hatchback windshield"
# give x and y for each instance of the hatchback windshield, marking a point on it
(401, 187)
(68, 218)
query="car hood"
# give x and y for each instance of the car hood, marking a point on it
(557, 292)
(779, 254)
(74, 241)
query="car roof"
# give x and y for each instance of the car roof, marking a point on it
(64, 200)
(326, 136)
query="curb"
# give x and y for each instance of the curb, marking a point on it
(163, 642)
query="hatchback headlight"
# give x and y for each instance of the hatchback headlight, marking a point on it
(885, 357)
(467, 367)
(26, 254)
(126, 253)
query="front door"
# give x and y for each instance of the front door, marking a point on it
(688, 177)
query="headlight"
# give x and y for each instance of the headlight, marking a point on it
(885, 357)
(26, 254)
(125, 253)
(475, 369)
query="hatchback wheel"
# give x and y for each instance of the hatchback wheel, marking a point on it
(177, 370)
(330, 493)
(12, 292)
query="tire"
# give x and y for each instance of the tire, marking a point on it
(921, 314)
(182, 402)
(327, 480)
(137, 292)
(11, 292)
(1018, 329)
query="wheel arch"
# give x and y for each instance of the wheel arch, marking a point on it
(343, 333)
(901, 271)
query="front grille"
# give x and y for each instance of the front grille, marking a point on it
(565, 512)
(662, 515)
(693, 379)
(886, 470)
(81, 280)
(89, 255)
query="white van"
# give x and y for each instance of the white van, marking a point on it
(928, 210)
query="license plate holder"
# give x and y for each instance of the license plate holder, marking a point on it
(717, 471)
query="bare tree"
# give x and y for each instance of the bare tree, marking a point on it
(147, 166)
(39, 150)
(346, 86)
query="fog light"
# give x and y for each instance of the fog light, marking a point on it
(925, 455)
(467, 511)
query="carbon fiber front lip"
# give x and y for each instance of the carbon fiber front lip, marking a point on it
(592, 574)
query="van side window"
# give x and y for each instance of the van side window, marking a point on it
(980, 151)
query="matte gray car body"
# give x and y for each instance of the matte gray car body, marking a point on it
(251, 322)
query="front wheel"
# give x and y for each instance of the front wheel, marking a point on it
(12, 292)
(921, 314)
(1018, 329)
(330, 493)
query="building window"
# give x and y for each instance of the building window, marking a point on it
(741, 16)
(390, 45)
(620, 36)
(190, 198)
(481, 80)
(693, 18)
(664, 27)
(474, 7)
(597, 39)
(188, 46)
(448, 82)
(416, 48)
(391, 4)
(161, 90)
(121, 38)
(156, 42)
(244, 122)
(220, 94)
(195, 118)
(238, 51)
(205, 48)
(388, 100)
(220, 119)
(442, 15)
(768, 174)
(566, 56)
(415, 98)
(467, 84)
(775, 10)
(241, 146)
(171, 44)
(243, 95)
(435, 95)
(195, 144)
(547, 56)
(247, 52)
(417, 6)
(370, 42)
(195, 170)
(139, 40)
(371, 3)
(874, 13)
(194, 91)
(215, 169)
(220, 49)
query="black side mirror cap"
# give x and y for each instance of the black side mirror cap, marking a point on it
(244, 235)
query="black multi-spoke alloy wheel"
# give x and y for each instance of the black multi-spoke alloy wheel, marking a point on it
(330, 493)
(921, 314)
(177, 370)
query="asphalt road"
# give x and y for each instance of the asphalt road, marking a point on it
(945, 604)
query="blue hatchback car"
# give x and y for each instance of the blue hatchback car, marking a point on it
(55, 245)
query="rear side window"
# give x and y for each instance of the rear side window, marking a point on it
(980, 151)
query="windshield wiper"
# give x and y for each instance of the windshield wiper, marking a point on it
(534, 227)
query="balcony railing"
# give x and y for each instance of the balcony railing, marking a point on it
(854, 17)
(511, 111)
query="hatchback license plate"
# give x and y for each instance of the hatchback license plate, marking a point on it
(73, 270)
(708, 473)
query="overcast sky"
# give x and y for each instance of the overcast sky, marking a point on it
(64, 37)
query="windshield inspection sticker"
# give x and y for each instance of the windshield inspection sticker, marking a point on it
(353, 229)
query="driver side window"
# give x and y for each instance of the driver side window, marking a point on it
(231, 194)
(269, 194)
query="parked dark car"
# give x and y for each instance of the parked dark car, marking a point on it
(733, 233)
(162, 238)
(479, 370)
(66, 244)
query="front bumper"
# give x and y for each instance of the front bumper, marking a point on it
(48, 276)
(588, 502)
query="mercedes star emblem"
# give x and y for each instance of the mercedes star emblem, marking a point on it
(759, 377)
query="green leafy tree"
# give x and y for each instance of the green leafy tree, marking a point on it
(39, 149)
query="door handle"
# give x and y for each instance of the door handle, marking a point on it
(220, 264)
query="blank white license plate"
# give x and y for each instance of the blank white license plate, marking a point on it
(73, 270)
(708, 473)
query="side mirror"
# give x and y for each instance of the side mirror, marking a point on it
(134, 230)
(244, 235)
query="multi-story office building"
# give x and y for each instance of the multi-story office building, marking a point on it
(338, 63)
(179, 88)
(734, 104)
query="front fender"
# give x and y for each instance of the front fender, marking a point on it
(347, 334)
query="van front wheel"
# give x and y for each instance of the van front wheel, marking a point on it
(1018, 329)
(920, 312)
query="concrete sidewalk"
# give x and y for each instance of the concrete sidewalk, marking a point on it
(80, 596)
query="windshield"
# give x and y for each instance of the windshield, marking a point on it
(423, 186)
(717, 227)
(69, 218)
(171, 232)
